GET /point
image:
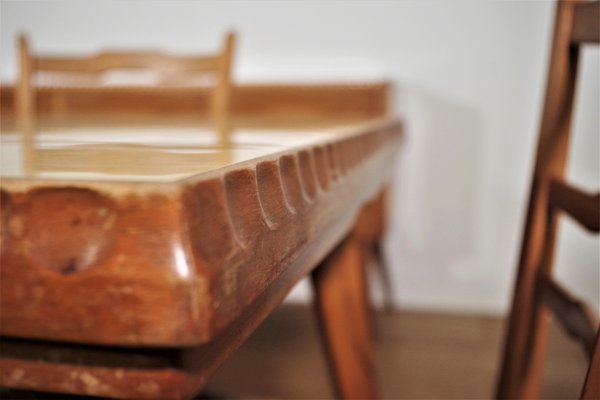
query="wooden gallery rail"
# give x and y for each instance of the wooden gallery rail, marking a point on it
(129, 284)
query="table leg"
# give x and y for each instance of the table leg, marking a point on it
(342, 303)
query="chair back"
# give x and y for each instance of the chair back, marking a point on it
(53, 70)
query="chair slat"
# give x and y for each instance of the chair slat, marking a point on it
(132, 60)
(86, 71)
(576, 22)
(583, 207)
(586, 23)
(574, 316)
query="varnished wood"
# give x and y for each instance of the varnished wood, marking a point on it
(222, 97)
(192, 265)
(25, 103)
(524, 345)
(32, 65)
(343, 306)
(251, 105)
(586, 24)
(343, 309)
(583, 207)
(575, 317)
(105, 61)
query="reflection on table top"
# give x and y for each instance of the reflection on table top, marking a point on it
(158, 154)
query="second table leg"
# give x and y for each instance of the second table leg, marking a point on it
(343, 308)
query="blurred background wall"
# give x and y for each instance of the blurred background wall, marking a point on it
(469, 79)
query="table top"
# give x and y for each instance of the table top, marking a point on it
(195, 247)
(150, 154)
(168, 244)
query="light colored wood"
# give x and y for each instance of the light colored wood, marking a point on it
(192, 265)
(26, 105)
(525, 340)
(222, 96)
(159, 154)
(156, 154)
(253, 106)
(34, 64)
(586, 23)
(105, 61)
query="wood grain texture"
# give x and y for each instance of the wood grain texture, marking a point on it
(193, 265)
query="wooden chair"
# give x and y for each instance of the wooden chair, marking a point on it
(176, 68)
(536, 293)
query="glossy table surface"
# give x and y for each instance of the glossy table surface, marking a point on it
(157, 242)
(150, 154)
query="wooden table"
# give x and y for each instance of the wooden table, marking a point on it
(133, 268)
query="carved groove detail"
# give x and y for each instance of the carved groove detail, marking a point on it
(185, 259)
(307, 174)
(272, 203)
(270, 190)
(269, 194)
(292, 187)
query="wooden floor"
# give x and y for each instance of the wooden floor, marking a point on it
(419, 355)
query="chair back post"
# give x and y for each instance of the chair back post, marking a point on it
(222, 98)
(25, 103)
(528, 322)
(92, 68)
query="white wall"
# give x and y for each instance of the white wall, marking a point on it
(470, 79)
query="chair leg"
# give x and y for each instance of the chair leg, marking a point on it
(591, 388)
(343, 310)
(525, 343)
(384, 275)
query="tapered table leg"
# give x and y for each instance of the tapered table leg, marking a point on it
(343, 309)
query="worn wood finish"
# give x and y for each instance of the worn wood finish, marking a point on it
(192, 265)
(524, 345)
(343, 308)
(72, 70)
(251, 105)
